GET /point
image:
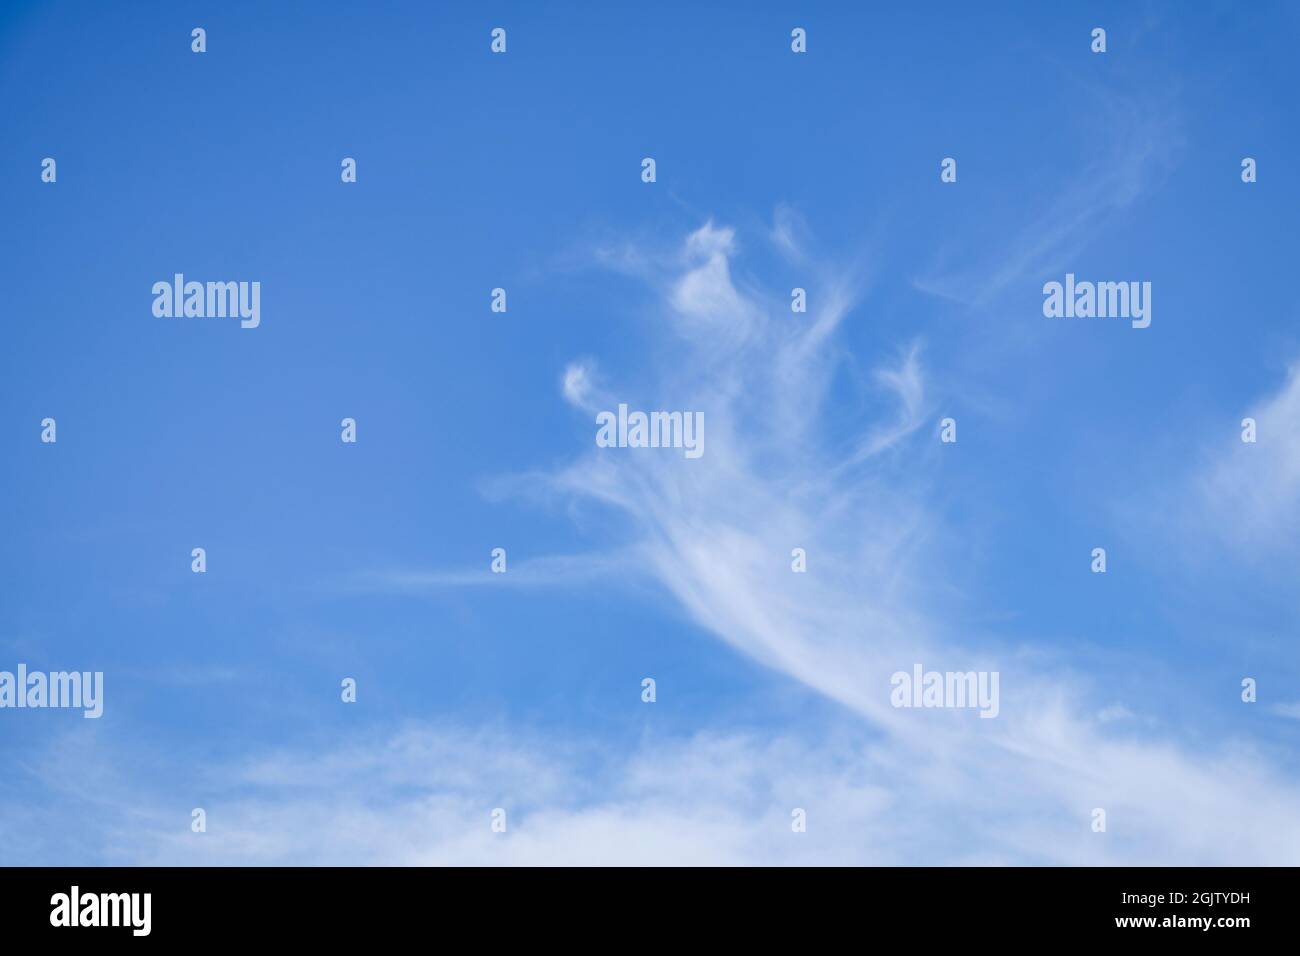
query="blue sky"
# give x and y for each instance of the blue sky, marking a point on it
(475, 431)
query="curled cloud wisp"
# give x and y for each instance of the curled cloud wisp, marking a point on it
(718, 534)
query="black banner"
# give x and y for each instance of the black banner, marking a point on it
(331, 906)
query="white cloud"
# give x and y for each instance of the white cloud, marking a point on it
(1291, 709)
(547, 571)
(718, 533)
(425, 795)
(704, 299)
(910, 786)
(577, 384)
(1252, 490)
(1142, 138)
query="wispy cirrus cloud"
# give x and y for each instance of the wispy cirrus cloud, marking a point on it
(425, 795)
(545, 571)
(1139, 144)
(1251, 490)
(880, 785)
(718, 534)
